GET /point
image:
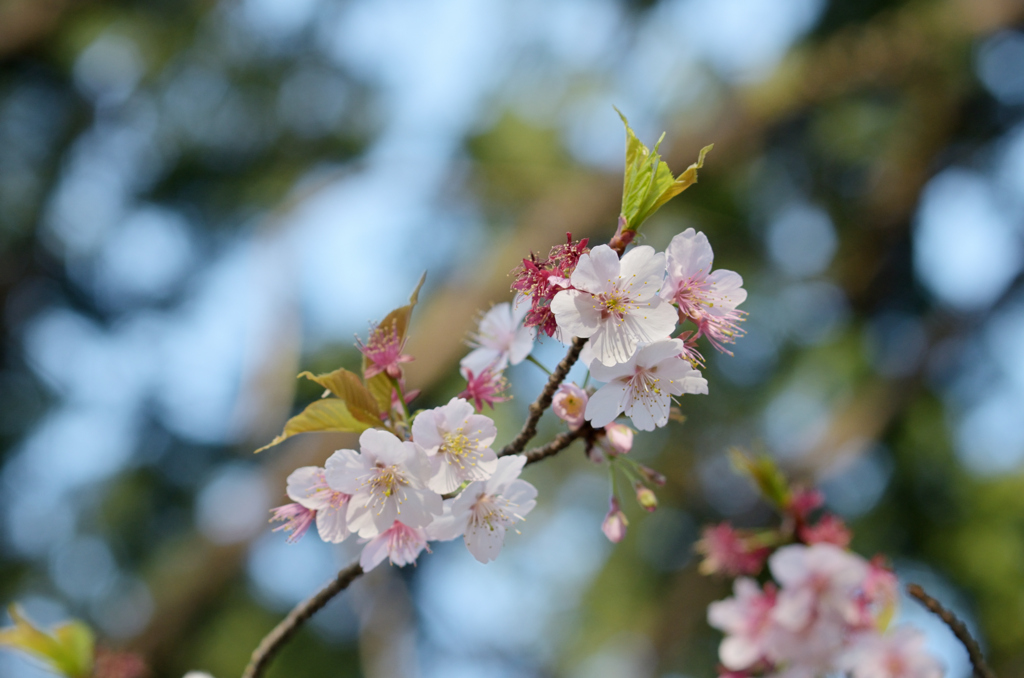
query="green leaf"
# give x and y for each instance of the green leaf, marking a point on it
(381, 386)
(68, 651)
(765, 473)
(648, 182)
(346, 385)
(328, 414)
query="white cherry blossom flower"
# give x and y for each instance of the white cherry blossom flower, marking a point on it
(399, 543)
(501, 340)
(458, 441)
(307, 486)
(387, 481)
(708, 298)
(643, 385)
(615, 303)
(487, 508)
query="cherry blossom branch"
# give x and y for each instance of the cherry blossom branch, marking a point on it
(281, 633)
(560, 442)
(959, 629)
(543, 401)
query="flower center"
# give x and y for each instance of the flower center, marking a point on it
(493, 511)
(460, 450)
(613, 304)
(385, 481)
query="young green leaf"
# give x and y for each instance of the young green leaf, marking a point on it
(68, 650)
(347, 386)
(648, 182)
(765, 473)
(328, 414)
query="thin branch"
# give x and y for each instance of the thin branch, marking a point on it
(543, 401)
(959, 629)
(560, 442)
(274, 640)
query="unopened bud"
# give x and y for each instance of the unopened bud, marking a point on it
(652, 476)
(615, 523)
(645, 497)
(620, 438)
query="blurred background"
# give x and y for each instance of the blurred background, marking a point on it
(200, 199)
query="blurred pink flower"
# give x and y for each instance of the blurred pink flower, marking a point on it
(569, 404)
(746, 620)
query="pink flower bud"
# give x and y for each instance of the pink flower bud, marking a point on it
(615, 523)
(728, 551)
(645, 497)
(569, 403)
(829, 530)
(803, 501)
(620, 438)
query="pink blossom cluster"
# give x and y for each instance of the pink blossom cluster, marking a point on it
(823, 611)
(629, 308)
(826, 611)
(540, 280)
(502, 339)
(395, 495)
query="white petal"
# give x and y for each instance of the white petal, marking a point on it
(596, 270)
(607, 373)
(446, 477)
(425, 433)
(738, 653)
(689, 253)
(659, 351)
(383, 446)
(522, 344)
(331, 524)
(575, 313)
(303, 484)
(485, 541)
(506, 470)
(642, 272)
(480, 359)
(614, 342)
(648, 413)
(522, 494)
(496, 326)
(360, 518)
(374, 553)
(343, 470)
(606, 404)
(726, 291)
(480, 429)
(449, 525)
(456, 412)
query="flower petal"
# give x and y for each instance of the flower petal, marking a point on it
(485, 541)
(605, 405)
(596, 270)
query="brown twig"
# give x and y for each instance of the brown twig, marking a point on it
(560, 442)
(276, 639)
(543, 401)
(959, 629)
